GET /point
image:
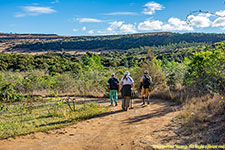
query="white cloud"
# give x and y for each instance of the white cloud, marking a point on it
(177, 24)
(114, 25)
(103, 32)
(35, 11)
(128, 28)
(54, 2)
(18, 15)
(84, 28)
(200, 21)
(75, 30)
(114, 28)
(219, 22)
(39, 10)
(174, 24)
(150, 25)
(167, 27)
(175, 21)
(152, 7)
(91, 31)
(88, 20)
(220, 13)
(118, 27)
(121, 13)
(35, 4)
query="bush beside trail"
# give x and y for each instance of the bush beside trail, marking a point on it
(203, 119)
(26, 118)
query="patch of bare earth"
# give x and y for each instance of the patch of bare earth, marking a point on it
(137, 128)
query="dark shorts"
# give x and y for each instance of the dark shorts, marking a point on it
(126, 90)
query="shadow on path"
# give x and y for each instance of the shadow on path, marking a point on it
(166, 107)
(157, 113)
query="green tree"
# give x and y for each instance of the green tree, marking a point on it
(207, 70)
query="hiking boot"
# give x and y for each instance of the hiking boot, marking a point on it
(148, 102)
(143, 100)
(115, 103)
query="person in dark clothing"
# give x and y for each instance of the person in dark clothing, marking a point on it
(113, 87)
(146, 82)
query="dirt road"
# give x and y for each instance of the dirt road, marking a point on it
(138, 128)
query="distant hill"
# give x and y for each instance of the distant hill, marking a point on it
(44, 42)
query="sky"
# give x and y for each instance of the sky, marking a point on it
(111, 17)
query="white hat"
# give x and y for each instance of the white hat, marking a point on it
(113, 74)
(127, 73)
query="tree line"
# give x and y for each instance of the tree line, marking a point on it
(119, 42)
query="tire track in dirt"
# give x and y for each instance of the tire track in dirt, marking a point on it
(138, 128)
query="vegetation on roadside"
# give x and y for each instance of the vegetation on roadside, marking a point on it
(25, 118)
(203, 119)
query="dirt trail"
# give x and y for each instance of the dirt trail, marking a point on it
(138, 128)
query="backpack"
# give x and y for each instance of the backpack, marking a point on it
(146, 82)
(115, 84)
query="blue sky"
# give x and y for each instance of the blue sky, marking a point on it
(106, 17)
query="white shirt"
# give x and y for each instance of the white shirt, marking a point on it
(129, 81)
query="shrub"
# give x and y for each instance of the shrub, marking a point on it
(174, 72)
(8, 94)
(154, 68)
(63, 83)
(206, 71)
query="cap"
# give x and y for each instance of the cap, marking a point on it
(113, 74)
(127, 73)
(146, 72)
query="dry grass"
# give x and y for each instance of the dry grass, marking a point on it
(17, 120)
(179, 96)
(204, 118)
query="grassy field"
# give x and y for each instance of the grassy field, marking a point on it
(27, 118)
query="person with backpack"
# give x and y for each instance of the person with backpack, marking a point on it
(126, 83)
(113, 88)
(146, 82)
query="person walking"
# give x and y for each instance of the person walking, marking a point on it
(113, 88)
(146, 82)
(126, 88)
